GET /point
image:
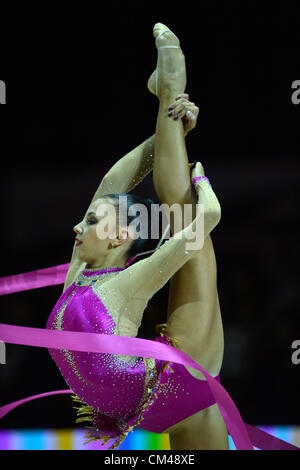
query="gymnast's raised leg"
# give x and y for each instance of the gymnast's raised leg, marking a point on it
(194, 315)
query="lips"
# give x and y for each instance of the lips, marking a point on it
(77, 242)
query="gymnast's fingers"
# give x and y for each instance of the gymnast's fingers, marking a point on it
(187, 111)
(184, 108)
(181, 97)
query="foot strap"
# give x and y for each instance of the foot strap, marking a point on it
(169, 47)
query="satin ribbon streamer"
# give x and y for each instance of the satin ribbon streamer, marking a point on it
(243, 435)
(34, 279)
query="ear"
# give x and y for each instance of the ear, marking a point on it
(123, 237)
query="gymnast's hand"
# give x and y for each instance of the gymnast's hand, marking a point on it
(184, 109)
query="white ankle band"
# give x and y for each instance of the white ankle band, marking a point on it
(169, 47)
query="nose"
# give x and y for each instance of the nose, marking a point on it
(77, 229)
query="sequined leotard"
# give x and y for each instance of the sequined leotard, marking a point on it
(120, 392)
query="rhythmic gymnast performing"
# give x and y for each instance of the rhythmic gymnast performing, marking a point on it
(106, 290)
(114, 389)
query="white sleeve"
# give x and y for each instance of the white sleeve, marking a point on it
(145, 278)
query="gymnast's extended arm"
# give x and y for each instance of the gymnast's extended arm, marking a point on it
(121, 178)
(145, 278)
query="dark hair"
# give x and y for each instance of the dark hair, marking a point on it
(144, 242)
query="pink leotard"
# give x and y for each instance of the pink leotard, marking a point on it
(117, 392)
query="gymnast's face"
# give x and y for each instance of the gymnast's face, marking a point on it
(99, 233)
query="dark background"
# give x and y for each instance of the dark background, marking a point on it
(77, 102)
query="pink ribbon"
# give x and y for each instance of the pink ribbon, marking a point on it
(34, 279)
(92, 342)
(4, 410)
(99, 343)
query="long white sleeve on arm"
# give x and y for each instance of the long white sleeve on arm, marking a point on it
(145, 278)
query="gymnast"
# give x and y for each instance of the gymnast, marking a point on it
(107, 289)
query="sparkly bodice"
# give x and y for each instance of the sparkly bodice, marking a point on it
(89, 305)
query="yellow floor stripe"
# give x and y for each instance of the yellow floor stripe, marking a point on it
(64, 439)
(166, 441)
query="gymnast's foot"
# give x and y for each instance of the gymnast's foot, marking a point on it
(169, 77)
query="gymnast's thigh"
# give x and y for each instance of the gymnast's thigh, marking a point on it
(194, 315)
(204, 430)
